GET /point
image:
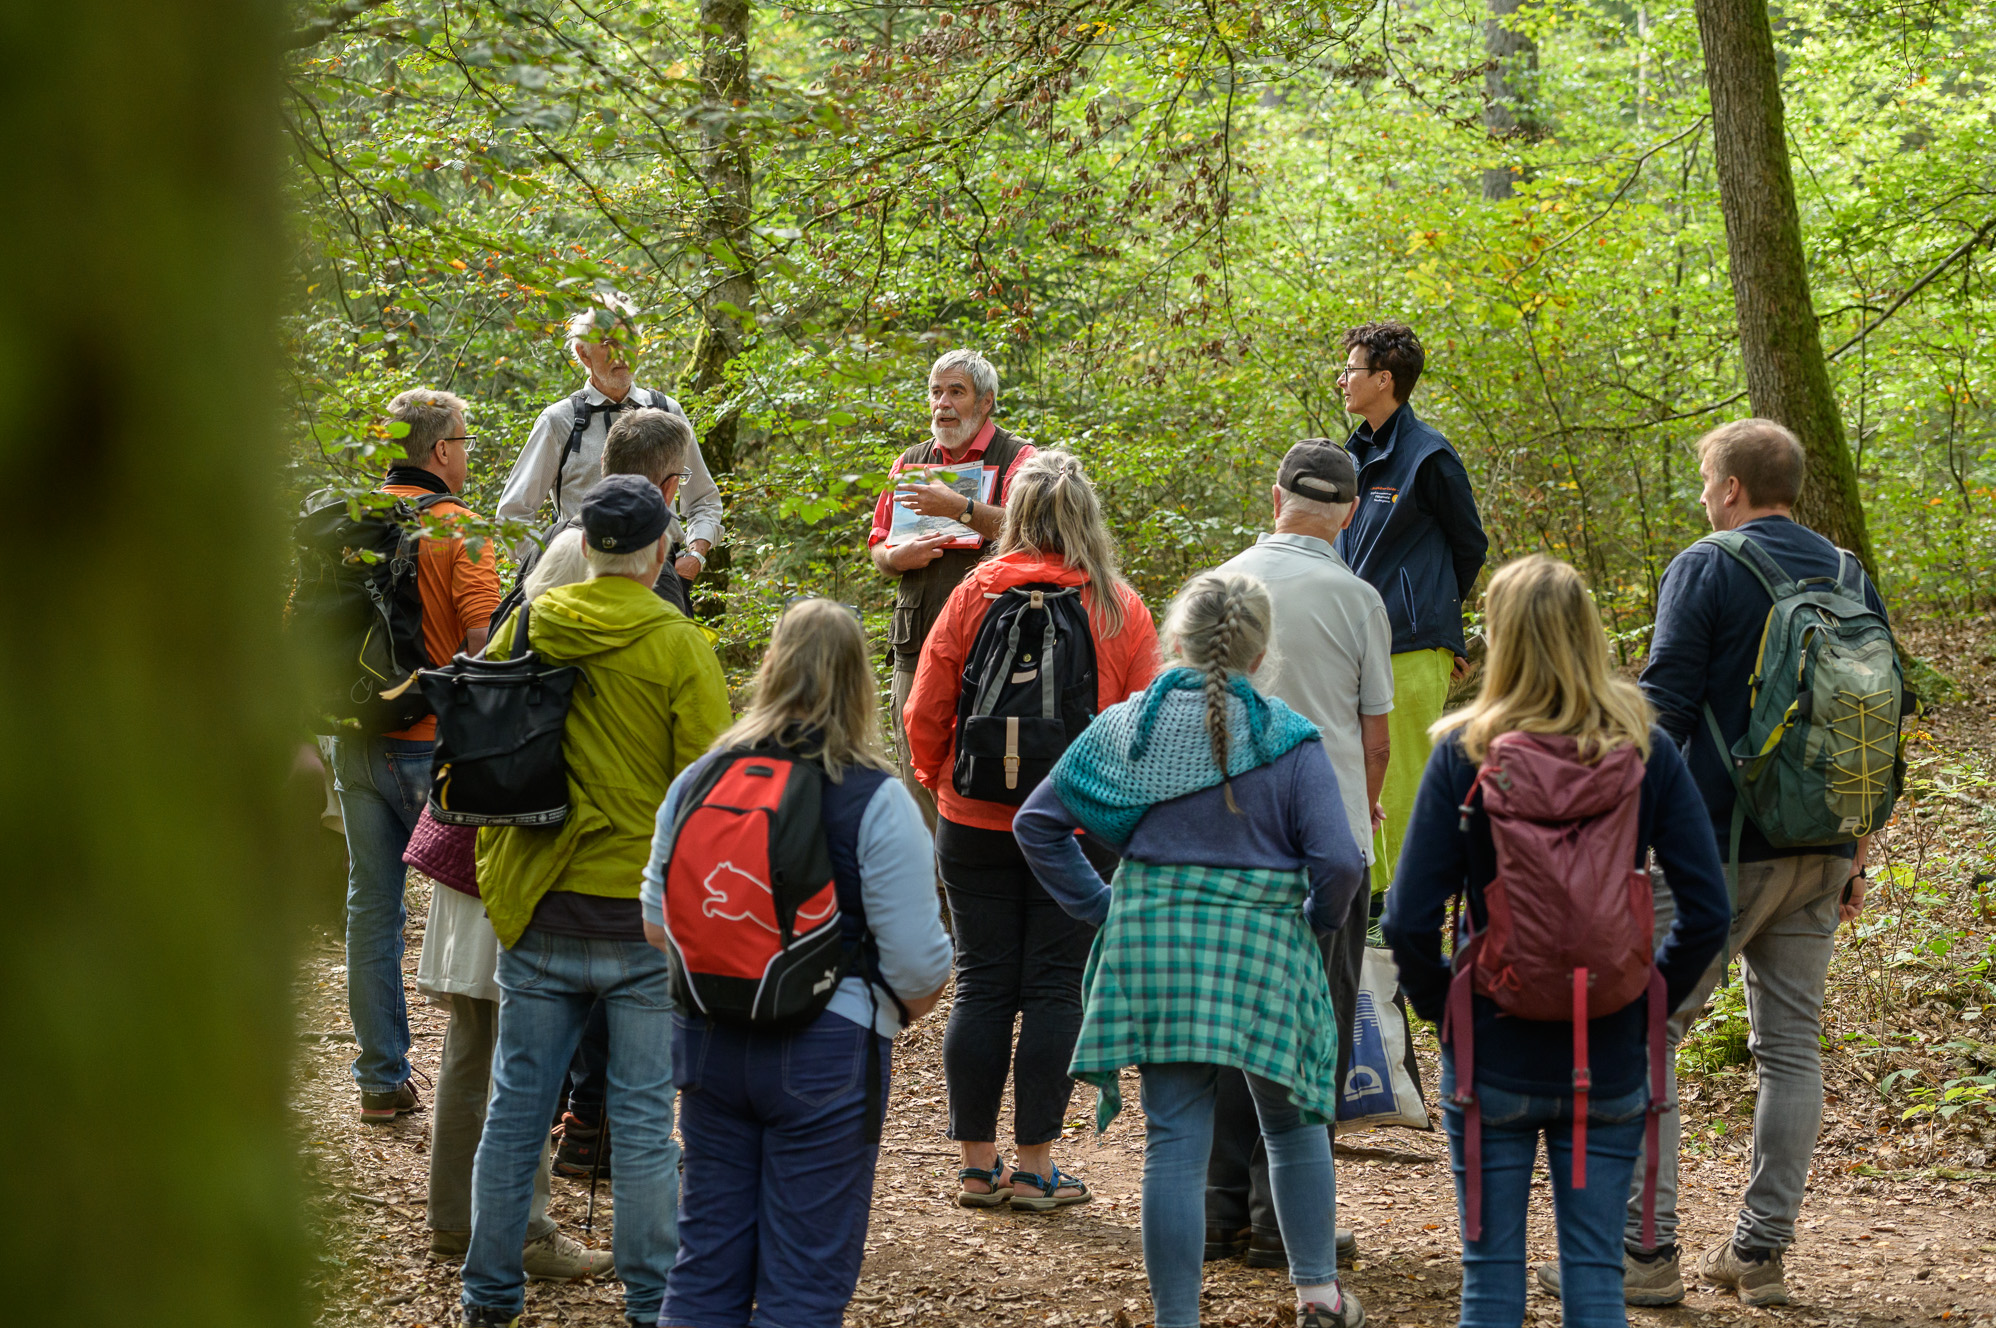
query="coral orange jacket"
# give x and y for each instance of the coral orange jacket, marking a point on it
(1124, 664)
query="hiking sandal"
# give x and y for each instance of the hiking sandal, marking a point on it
(1049, 1187)
(992, 1198)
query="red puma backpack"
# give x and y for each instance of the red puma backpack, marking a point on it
(1569, 930)
(751, 906)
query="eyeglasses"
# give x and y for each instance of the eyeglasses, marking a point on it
(470, 440)
(1357, 370)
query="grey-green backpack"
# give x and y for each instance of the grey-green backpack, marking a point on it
(1820, 762)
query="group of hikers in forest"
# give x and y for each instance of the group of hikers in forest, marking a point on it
(1159, 846)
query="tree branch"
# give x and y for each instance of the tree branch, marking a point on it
(330, 22)
(1961, 251)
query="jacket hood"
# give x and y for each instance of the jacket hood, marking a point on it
(588, 618)
(995, 576)
(1540, 777)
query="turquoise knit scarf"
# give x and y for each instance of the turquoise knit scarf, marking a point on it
(1153, 748)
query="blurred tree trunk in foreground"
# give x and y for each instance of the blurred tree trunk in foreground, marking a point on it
(1787, 377)
(145, 952)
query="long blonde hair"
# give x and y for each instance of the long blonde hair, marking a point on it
(1548, 668)
(1219, 625)
(1051, 509)
(815, 684)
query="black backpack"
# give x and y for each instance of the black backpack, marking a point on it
(498, 758)
(358, 616)
(1028, 690)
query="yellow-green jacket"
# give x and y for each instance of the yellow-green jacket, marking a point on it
(650, 701)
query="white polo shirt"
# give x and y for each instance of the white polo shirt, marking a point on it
(1333, 650)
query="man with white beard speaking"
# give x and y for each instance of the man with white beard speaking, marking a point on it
(944, 511)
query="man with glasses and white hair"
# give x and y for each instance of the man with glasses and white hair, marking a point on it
(383, 781)
(563, 457)
(963, 390)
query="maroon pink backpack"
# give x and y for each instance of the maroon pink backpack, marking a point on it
(1570, 932)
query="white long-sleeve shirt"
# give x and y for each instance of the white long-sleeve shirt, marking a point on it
(532, 480)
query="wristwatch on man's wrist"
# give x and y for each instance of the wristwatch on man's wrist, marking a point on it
(969, 510)
(692, 552)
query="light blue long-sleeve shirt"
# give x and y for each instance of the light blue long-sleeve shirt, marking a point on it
(897, 885)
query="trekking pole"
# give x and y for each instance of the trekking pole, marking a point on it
(596, 1170)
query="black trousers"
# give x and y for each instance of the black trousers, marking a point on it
(1019, 957)
(1237, 1193)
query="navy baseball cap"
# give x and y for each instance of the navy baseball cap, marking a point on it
(623, 514)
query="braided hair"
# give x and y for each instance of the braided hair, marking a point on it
(1219, 624)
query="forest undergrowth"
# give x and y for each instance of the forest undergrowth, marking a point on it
(1899, 1226)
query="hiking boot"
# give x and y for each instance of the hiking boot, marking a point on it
(579, 1145)
(557, 1258)
(383, 1108)
(1265, 1248)
(1651, 1280)
(1348, 1314)
(477, 1316)
(1224, 1241)
(449, 1244)
(1754, 1274)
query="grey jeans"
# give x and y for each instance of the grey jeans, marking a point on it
(1784, 926)
(464, 1083)
(903, 684)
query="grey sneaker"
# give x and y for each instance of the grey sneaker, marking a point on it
(1653, 1281)
(557, 1258)
(1348, 1314)
(1758, 1281)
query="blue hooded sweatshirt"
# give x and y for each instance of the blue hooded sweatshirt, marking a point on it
(1416, 537)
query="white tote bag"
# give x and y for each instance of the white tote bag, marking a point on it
(1382, 1087)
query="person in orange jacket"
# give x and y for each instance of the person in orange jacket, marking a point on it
(1018, 953)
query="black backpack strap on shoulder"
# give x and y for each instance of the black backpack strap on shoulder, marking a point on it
(578, 403)
(660, 401)
(520, 632)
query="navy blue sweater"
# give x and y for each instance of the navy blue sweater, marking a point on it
(1439, 861)
(1416, 537)
(1291, 817)
(1710, 611)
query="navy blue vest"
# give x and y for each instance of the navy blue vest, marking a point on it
(1395, 547)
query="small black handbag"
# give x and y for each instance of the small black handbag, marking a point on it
(498, 757)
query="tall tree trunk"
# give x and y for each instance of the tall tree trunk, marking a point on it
(1513, 62)
(724, 224)
(1787, 377)
(146, 959)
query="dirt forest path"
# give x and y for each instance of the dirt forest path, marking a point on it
(1899, 1226)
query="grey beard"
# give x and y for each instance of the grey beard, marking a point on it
(952, 439)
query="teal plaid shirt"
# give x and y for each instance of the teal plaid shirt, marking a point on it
(1213, 966)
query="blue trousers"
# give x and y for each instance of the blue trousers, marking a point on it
(547, 986)
(1178, 1139)
(382, 784)
(1588, 1221)
(779, 1176)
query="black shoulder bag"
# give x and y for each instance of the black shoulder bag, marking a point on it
(498, 757)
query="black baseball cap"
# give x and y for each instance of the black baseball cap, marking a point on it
(622, 514)
(1318, 468)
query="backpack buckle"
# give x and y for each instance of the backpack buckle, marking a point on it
(1460, 1098)
(1583, 1080)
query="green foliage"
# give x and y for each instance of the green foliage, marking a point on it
(1157, 218)
(1718, 1041)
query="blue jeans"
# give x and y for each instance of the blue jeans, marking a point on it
(382, 784)
(1589, 1220)
(779, 1176)
(1178, 1140)
(547, 985)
